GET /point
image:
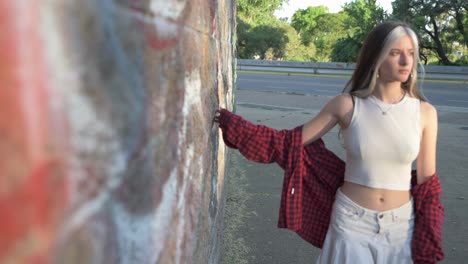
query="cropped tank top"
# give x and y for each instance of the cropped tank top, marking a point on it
(382, 141)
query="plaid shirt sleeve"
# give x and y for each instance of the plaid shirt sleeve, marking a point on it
(256, 142)
(427, 236)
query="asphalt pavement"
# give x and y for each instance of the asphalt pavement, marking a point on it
(452, 93)
(253, 190)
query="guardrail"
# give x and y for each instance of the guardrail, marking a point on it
(431, 71)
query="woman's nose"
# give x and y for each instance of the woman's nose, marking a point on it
(403, 59)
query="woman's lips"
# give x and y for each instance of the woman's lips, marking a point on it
(403, 71)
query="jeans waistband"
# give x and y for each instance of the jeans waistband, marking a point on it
(404, 211)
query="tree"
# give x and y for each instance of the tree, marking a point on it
(459, 12)
(258, 31)
(436, 21)
(320, 29)
(362, 17)
(258, 11)
(305, 21)
(295, 50)
(346, 50)
(265, 38)
(330, 28)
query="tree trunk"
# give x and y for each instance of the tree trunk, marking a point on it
(438, 48)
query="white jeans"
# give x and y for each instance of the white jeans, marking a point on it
(360, 235)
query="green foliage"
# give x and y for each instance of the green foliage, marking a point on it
(304, 21)
(317, 35)
(265, 38)
(258, 33)
(463, 60)
(330, 28)
(262, 41)
(361, 17)
(346, 50)
(243, 39)
(314, 34)
(295, 50)
(439, 23)
(320, 29)
(258, 11)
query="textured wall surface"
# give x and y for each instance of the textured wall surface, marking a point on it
(108, 153)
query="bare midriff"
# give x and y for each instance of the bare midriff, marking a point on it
(375, 199)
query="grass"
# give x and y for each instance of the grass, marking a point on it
(233, 247)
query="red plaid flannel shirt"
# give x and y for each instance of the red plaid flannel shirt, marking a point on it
(312, 175)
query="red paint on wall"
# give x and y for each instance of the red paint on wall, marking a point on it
(32, 187)
(162, 32)
(158, 41)
(32, 211)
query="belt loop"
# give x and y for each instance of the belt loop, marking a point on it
(394, 216)
(361, 212)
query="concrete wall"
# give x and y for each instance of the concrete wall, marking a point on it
(108, 153)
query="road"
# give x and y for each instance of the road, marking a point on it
(440, 93)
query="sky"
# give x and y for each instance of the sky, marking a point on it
(334, 6)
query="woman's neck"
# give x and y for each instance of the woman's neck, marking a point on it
(389, 92)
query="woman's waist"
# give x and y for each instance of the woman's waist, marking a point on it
(374, 198)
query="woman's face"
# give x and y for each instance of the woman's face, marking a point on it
(398, 64)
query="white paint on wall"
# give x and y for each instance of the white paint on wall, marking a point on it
(164, 19)
(192, 102)
(181, 205)
(165, 29)
(168, 9)
(141, 238)
(193, 85)
(54, 53)
(29, 57)
(85, 129)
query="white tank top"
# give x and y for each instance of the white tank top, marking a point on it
(381, 142)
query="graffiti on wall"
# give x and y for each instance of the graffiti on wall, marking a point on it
(119, 161)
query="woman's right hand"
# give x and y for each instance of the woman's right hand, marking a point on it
(216, 117)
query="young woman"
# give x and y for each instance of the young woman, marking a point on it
(386, 124)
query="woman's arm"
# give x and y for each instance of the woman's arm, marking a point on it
(337, 111)
(258, 143)
(426, 161)
(427, 236)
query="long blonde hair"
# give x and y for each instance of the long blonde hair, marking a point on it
(374, 51)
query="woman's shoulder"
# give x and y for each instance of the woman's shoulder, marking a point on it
(427, 107)
(343, 100)
(428, 112)
(341, 104)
